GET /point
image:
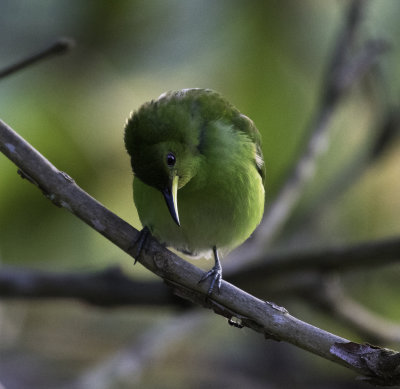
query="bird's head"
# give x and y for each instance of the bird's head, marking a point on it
(163, 139)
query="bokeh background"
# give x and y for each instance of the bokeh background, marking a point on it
(268, 58)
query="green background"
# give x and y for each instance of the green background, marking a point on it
(268, 58)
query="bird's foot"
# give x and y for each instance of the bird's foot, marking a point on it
(140, 242)
(216, 278)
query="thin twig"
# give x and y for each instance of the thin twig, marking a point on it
(340, 258)
(111, 287)
(128, 364)
(332, 298)
(343, 73)
(384, 134)
(61, 46)
(335, 85)
(106, 288)
(267, 318)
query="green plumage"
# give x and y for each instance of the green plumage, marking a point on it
(214, 152)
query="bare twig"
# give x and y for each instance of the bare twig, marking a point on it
(343, 72)
(384, 133)
(128, 364)
(332, 298)
(267, 318)
(111, 287)
(340, 76)
(107, 288)
(61, 46)
(361, 255)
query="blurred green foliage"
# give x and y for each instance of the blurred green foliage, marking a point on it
(266, 57)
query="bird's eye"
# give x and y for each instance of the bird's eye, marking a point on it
(171, 159)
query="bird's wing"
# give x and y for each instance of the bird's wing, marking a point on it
(246, 125)
(216, 108)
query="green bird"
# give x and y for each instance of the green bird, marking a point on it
(198, 173)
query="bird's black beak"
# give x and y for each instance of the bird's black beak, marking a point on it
(171, 198)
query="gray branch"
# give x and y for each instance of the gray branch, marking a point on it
(266, 318)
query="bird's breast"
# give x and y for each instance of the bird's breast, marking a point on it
(222, 213)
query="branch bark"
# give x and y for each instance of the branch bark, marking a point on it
(264, 317)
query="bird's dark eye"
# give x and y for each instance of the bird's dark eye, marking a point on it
(171, 159)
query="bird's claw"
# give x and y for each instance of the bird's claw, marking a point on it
(140, 242)
(216, 278)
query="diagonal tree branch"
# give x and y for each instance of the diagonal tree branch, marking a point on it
(61, 46)
(343, 72)
(385, 133)
(264, 317)
(127, 365)
(331, 298)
